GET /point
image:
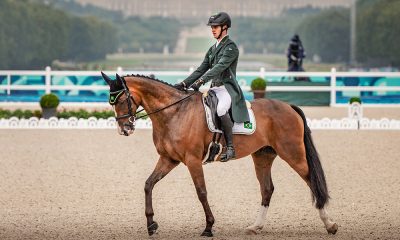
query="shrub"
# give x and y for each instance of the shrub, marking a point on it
(355, 99)
(37, 113)
(22, 114)
(81, 113)
(258, 84)
(103, 114)
(49, 101)
(5, 113)
(19, 113)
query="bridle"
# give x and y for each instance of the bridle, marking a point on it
(130, 99)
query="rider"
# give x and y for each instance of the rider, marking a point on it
(295, 55)
(221, 60)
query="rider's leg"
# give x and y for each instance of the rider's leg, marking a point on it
(227, 124)
(224, 104)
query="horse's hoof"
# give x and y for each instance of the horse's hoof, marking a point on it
(333, 229)
(152, 228)
(251, 230)
(207, 234)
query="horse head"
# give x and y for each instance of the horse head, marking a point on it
(123, 103)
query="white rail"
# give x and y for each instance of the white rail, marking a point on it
(110, 123)
(332, 75)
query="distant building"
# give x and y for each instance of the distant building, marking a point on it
(204, 8)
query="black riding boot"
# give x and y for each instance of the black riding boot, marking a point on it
(227, 124)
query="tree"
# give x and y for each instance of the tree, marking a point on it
(271, 34)
(150, 34)
(327, 35)
(32, 35)
(90, 39)
(378, 33)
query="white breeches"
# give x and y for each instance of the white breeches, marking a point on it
(224, 100)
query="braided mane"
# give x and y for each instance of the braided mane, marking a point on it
(150, 78)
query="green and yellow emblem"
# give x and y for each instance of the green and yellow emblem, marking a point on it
(248, 125)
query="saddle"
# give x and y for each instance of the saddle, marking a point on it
(210, 102)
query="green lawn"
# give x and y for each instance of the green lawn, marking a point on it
(198, 44)
(183, 62)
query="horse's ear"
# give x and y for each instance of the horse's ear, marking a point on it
(106, 78)
(118, 77)
(120, 80)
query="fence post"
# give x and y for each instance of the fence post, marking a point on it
(262, 72)
(8, 84)
(120, 71)
(48, 80)
(333, 87)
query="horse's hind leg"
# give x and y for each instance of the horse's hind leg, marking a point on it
(163, 167)
(295, 155)
(263, 160)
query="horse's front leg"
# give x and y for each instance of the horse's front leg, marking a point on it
(195, 167)
(163, 167)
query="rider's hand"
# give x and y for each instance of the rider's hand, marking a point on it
(196, 85)
(180, 86)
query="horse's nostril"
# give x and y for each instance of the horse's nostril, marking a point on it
(127, 129)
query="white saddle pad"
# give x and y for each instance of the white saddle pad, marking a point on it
(238, 128)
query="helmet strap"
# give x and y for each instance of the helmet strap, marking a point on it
(222, 30)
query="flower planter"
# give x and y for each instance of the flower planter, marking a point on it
(49, 103)
(49, 112)
(259, 93)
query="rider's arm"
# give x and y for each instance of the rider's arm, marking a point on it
(230, 54)
(288, 52)
(199, 71)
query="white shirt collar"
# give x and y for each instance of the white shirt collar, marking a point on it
(216, 44)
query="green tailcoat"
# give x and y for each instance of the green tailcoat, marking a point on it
(221, 62)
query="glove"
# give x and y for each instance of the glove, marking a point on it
(196, 85)
(180, 86)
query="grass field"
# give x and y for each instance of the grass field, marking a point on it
(198, 44)
(247, 62)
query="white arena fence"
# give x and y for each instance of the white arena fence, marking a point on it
(110, 123)
(243, 79)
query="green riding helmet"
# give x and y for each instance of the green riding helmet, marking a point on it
(219, 19)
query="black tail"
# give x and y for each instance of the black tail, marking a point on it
(318, 186)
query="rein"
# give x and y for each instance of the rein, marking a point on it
(130, 114)
(159, 110)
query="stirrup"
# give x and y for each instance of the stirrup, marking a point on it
(228, 155)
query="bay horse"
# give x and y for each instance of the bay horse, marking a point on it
(181, 135)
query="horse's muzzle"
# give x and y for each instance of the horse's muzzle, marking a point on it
(128, 129)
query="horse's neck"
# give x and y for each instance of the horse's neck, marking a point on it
(154, 96)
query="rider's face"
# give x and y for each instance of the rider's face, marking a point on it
(216, 30)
